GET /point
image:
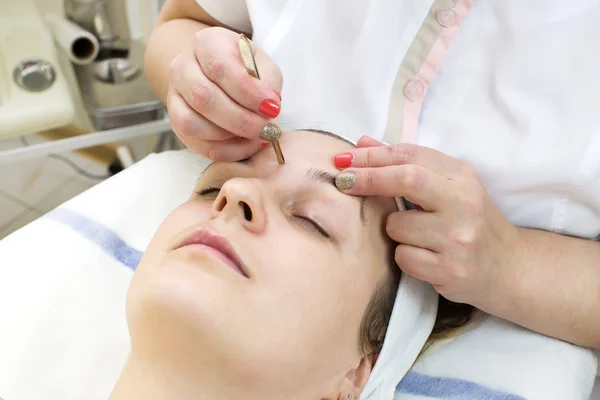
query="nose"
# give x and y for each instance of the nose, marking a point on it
(240, 200)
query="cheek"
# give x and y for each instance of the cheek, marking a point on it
(300, 261)
(307, 271)
(315, 294)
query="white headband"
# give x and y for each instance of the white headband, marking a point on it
(411, 323)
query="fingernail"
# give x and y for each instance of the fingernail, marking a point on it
(345, 181)
(278, 94)
(263, 144)
(343, 160)
(270, 132)
(269, 108)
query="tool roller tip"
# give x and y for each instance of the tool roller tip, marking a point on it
(271, 132)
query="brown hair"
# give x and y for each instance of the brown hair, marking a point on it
(450, 316)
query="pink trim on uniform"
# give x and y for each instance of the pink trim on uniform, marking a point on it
(416, 89)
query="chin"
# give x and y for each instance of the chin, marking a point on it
(178, 304)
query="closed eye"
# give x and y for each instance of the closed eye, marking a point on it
(208, 190)
(314, 225)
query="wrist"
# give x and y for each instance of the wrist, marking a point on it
(507, 285)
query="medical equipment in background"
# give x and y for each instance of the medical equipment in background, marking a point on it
(80, 46)
(108, 66)
(114, 88)
(34, 94)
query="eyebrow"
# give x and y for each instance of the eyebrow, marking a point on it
(319, 175)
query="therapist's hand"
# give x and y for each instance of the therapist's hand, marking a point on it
(460, 242)
(216, 108)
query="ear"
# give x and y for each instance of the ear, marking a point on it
(356, 379)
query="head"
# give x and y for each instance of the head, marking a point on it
(268, 274)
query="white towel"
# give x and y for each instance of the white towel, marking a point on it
(496, 360)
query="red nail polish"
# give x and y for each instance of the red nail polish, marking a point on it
(269, 108)
(278, 94)
(343, 160)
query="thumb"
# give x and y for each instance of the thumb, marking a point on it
(368, 141)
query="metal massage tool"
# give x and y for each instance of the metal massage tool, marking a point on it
(272, 131)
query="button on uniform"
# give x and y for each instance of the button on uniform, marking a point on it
(447, 17)
(414, 89)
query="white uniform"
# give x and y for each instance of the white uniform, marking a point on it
(511, 87)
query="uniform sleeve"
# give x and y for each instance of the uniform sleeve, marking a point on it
(232, 13)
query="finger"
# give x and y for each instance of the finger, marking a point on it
(207, 99)
(234, 149)
(368, 141)
(416, 228)
(420, 263)
(417, 184)
(402, 154)
(189, 125)
(226, 69)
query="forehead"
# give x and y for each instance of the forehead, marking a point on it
(305, 148)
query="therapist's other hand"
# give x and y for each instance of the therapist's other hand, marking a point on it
(216, 108)
(460, 242)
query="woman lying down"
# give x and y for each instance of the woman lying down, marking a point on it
(269, 283)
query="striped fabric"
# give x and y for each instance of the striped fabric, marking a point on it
(103, 237)
(414, 384)
(432, 387)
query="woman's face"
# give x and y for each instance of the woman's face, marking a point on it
(266, 279)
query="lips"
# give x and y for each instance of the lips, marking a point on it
(218, 245)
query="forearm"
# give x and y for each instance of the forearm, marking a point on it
(167, 40)
(553, 289)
